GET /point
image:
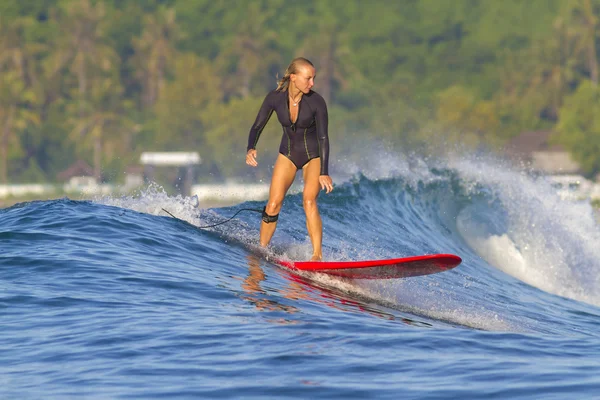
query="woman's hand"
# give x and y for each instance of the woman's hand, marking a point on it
(251, 158)
(326, 183)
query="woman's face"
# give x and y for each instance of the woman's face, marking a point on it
(304, 79)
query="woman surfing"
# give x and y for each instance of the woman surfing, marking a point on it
(304, 146)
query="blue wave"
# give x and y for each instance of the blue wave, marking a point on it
(120, 291)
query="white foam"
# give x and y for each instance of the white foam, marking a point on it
(155, 200)
(548, 242)
(419, 298)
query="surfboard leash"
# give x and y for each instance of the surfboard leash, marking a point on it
(220, 223)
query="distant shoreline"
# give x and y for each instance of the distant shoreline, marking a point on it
(9, 202)
(208, 195)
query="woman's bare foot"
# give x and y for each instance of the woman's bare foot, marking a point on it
(316, 258)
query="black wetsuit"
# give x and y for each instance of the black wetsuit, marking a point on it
(302, 140)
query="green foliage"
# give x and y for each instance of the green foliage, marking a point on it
(104, 80)
(225, 143)
(181, 107)
(579, 127)
(461, 113)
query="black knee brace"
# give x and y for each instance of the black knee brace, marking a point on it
(269, 218)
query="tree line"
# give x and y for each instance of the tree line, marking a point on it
(103, 80)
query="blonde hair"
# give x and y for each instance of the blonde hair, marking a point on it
(283, 83)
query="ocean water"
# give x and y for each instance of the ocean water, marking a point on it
(114, 298)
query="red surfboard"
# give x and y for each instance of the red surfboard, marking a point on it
(379, 269)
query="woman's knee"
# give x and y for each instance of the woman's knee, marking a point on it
(273, 206)
(309, 203)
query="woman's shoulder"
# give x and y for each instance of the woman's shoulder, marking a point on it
(315, 98)
(275, 94)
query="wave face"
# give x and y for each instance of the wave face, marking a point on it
(115, 298)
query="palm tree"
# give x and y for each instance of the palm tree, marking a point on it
(84, 52)
(154, 48)
(16, 96)
(327, 47)
(83, 47)
(15, 115)
(327, 50)
(105, 126)
(249, 51)
(182, 107)
(584, 22)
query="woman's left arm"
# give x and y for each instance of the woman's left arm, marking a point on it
(322, 120)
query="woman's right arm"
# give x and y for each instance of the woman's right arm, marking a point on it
(261, 120)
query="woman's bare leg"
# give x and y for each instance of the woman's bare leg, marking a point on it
(284, 173)
(310, 173)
